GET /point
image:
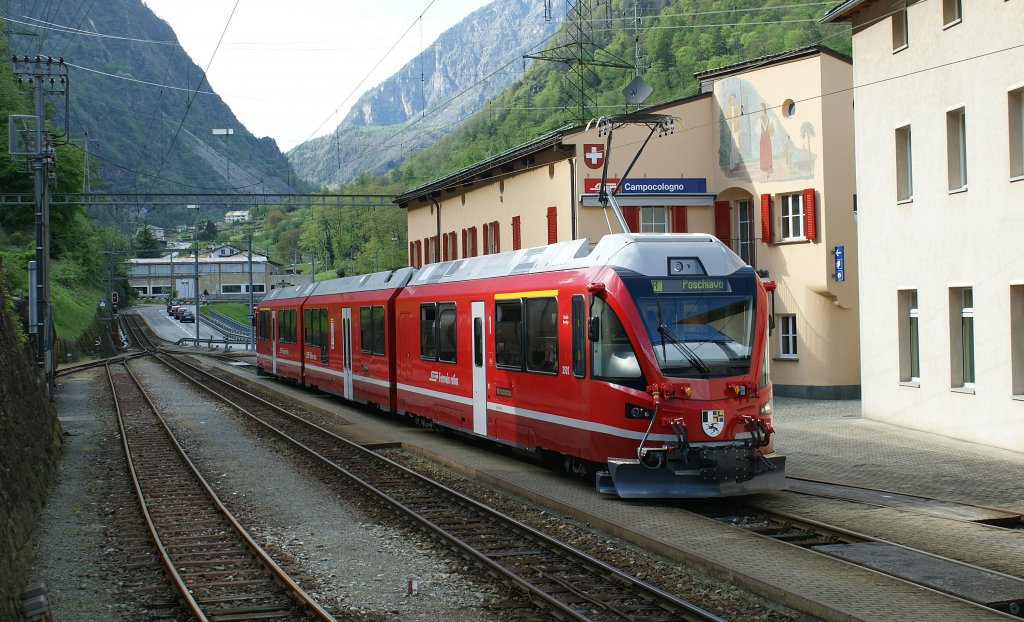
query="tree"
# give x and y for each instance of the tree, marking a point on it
(208, 232)
(146, 244)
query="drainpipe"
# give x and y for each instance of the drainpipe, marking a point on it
(568, 155)
(437, 215)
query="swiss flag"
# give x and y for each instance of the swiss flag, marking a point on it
(593, 155)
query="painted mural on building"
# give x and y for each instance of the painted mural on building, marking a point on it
(756, 136)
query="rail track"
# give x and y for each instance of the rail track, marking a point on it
(969, 582)
(218, 570)
(566, 582)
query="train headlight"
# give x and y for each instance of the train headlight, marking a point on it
(766, 409)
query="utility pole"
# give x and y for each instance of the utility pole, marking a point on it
(252, 325)
(32, 144)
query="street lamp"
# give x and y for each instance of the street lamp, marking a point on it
(195, 291)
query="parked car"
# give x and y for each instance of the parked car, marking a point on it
(187, 316)
(178, 311)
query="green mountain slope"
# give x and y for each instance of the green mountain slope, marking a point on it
(677, 38)
(144, 103)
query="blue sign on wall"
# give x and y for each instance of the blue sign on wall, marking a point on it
(840, 254)
(664, 185)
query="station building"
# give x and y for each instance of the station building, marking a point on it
(940, 169)
(223, 274)
(762, 157)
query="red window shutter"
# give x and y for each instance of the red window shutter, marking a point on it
(497, 237)
(810, 219)
(412, 253)
(552, 225)
(766, 218)
(679, 219)
(517, 234)
(419, 253)
(632, 215)
(473, 242)
(487, 238)
(437, 250)
(465, 243)
(444, 246)
(723, 228)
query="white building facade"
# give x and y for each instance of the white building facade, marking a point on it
(938, 90)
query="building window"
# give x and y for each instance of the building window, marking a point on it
(492, 238)
(787, 337)
(791, 217)
(259, 288)
(653, 219)
(517, 233)
(1016, 108)
(745, 231)
(952, 12)
(1017, 338)
(956, 149)
(961, 332)
(910, 344)
(904, 169)
(900, 38)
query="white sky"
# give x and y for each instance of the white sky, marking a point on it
(291, 69)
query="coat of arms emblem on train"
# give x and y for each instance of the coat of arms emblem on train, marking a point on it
(713, 421)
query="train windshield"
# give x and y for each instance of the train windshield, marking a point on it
(698, 326)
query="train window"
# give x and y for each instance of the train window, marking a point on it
(508, 334)
(579, 336)
(286, 325)
(612, 356)
(542, 335)
(315, 326)
(377, 319)
(365, 330)
(263, 325)
(446, 332)
(428, 331)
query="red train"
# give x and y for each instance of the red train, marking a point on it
(642, 360)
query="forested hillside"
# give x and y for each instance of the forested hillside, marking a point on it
(145, 105)
(676, 38)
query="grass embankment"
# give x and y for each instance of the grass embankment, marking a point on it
(237, 311)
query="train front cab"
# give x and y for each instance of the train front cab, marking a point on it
(699, 344)
(279, 333)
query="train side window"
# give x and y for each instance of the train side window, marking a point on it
(542, 335)
(286, 325)
(377, 320)
(508, 334)
(612, 356)
(428, 331)
(365, 330)
(579, 336)
(446, 350)
(263, 324)
(307, 321)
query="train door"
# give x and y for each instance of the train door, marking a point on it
(346, 351)
(479, 370)
(273, 341)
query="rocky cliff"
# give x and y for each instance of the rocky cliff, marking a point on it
(468, 65)
(31, 446)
